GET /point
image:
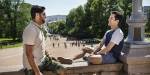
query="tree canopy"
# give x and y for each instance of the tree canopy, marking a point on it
(91, 20)
(14, 17)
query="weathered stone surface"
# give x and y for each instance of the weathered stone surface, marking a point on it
(94, 68)
(82, 68)
(22, 73)
(137, 68)
(13, 73)
(134, 50)
(137, 59)
(139, 74)
(110, 73)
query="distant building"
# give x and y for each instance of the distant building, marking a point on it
(55, 18)
(146, 10)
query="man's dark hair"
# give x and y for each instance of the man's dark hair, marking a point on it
(118, 16)
(36, 9)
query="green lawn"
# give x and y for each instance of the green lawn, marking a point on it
(11, 46)
(16, 44)
(2, 39)
(147, 39)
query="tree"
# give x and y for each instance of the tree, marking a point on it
(100, 11)
(10, 14)
(57, 27)
(91, 21)
(75, 24)
(126, 7)
(23, 18)
(70, 21)
(5, 6)
(148, 22)
(15, 15)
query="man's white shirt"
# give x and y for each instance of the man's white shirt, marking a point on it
(32, 35)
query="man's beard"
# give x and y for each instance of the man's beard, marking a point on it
(42, 21)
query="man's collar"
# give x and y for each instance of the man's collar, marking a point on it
(40, 26)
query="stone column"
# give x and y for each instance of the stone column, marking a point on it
(136, 23)
(136, 51)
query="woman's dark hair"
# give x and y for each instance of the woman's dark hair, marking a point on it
(36, 9)
(118, 16)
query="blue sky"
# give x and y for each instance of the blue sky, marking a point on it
(62, 7)
(146, 2)
(57, 7)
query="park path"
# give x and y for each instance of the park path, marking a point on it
(11, 58)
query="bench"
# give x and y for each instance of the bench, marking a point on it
(82, 68)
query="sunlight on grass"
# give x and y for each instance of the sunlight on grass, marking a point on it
(11, 46)
(147, 39)
(8, 45)
(2, 39)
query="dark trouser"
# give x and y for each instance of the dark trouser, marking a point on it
(47, 65)
(108, 59)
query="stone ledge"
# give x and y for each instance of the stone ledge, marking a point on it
(13, 73)
(136, 60)
(137, 68)
(94, 68)
(82, 67)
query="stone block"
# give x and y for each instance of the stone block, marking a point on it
(13, 73)
(137, 68)
(94, 68)
(110, 73)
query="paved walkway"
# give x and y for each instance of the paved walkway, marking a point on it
(11, 59)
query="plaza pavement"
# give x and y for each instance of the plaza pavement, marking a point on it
(11, 58)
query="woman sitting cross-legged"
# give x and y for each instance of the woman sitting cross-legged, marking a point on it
(112, 44)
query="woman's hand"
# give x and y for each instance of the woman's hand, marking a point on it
(102, 52)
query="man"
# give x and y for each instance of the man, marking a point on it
(109, 49)
(35, 60)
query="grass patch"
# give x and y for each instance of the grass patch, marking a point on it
(147, 39)
(2, 39)
(11, 46)
(9, 43)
